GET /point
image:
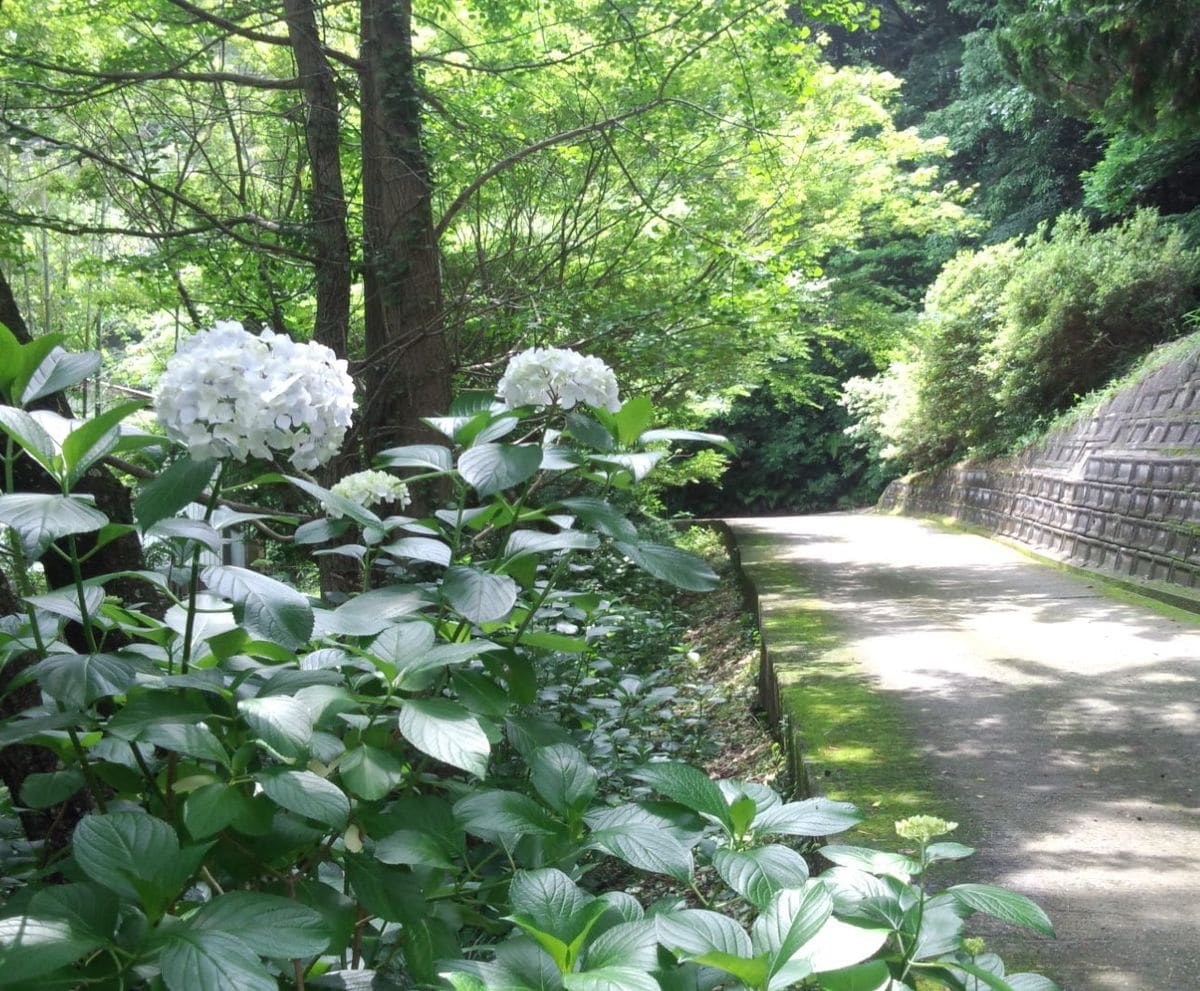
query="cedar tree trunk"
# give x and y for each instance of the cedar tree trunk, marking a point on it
(407, 367)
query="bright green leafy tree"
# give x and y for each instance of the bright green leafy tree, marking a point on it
(648, 185)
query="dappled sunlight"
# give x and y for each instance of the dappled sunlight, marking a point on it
(1064, 723)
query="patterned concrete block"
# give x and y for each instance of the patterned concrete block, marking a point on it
(1116, 491)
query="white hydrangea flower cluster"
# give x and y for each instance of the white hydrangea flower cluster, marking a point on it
(370, 487)
(557, 377)
(227, 393)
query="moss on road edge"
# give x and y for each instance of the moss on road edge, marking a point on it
(843, 736)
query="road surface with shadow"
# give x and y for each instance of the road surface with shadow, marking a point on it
(1064, 722)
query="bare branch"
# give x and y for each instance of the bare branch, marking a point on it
(173, 73)
(215, 222)
(521, 154)
(252, 35)
(61, 225)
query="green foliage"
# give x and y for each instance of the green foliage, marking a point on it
(793, 453)
(1022, 157)
(1135, 66)
(287, 792)
(1138, 170)
(1016, 332)
(691, 269)
(1103, 299)
(1131, 69)
(1173, 351)
(964, 311)
(651, 186)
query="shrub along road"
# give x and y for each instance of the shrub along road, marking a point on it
(1060, 723)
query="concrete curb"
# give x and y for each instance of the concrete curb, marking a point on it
(770, 696)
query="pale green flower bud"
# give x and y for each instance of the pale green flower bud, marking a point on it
(921, 829)
(368, 488)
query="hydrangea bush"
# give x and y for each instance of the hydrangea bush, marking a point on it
(370, 488)
(558, 377)
(227, 393)
(281, 792)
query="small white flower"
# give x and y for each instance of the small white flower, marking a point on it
(367, 488)
(229, 394)
(557, 377)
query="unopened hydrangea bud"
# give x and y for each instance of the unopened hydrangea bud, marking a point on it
(557, 377)
(229, 394)
(973, 946)
(368, 488)
(921, 829)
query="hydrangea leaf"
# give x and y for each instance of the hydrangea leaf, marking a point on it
(371, 772)
(810, 817)
(757, 874)
(194, 958)
(121, 849)
(670, 564)
(478, 595)
(428, 457)
(535, 542)
(611, 979)
(1007, 906)
(871, 976)
(652, 436)
(493, 813)
(31, 946)
(270, 608)
(446, 731)
(32, 437)
(792, 918)
(420, 549)
(307, 794)
(373, 611)
(183, 482)
(268, 924)
(283, 723)
(90, 440)
(80, 679)
(490, 467)
(688, 786)
(40, 519)
(562, 776)
(41, 791)
(645, 848)
(600, 516)
(58, 370)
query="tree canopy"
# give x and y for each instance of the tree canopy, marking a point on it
(666, 183)
(701, 194)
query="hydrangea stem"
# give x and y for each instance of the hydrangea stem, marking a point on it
(189, 626)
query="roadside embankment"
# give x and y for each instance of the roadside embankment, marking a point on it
(1117, 491)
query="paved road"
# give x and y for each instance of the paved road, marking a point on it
(1080, 712)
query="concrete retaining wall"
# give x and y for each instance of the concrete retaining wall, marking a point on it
(1118, 491)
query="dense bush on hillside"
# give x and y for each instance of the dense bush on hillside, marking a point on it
(1014, 333)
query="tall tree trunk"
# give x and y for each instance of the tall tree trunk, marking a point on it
(407, 365)
(328, 196)
(330, 240)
